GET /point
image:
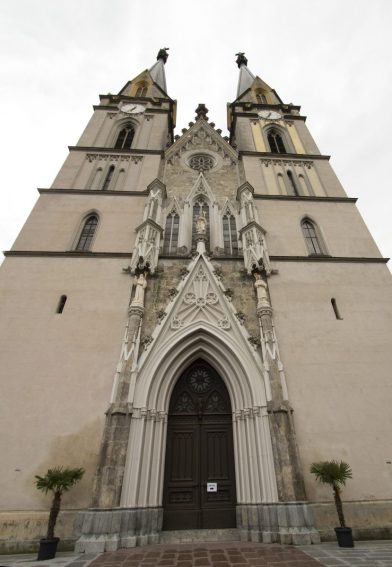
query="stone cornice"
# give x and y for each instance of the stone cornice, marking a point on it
(72, 254)
(114, 108)
(307, 198)
(272, 156)
(92, 192)
(104, 151)
(287, 117)
(68, 254)
(342, 259)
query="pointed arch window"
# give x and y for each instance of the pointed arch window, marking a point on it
(275, 141)
(170, 241)
(108, 178)
(141, 90)
(125, 138)
(200, 205)
(312, 238)
(87, 234)
(261, 99)
(230, 240)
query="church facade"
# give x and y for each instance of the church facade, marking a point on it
(194, 320)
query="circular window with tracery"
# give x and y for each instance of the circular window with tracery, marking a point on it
(201, 162)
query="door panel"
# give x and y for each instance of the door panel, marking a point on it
(199, 450)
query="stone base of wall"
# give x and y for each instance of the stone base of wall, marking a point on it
(369, 519)
(289, 523)
(20, 532)
(108, 530)
(102, 530)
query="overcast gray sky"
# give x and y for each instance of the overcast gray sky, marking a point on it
(332, 57)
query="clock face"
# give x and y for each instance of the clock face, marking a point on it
(269, 115)
(132, 108)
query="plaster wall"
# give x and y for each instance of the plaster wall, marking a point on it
(305, 137)
(338, 371)
(341, 227)
(321, 177)
(243, 134)
(77, 170)
(102, 128)
(58, 369)
(56, 221)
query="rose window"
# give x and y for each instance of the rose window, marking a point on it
(201, 162)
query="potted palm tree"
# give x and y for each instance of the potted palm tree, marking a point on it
(57, 480)
(335, 475)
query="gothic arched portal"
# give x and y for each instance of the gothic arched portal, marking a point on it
(199, 450)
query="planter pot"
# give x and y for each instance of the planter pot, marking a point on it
(344, 537)
(47, 548)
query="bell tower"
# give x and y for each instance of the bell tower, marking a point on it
(194, 320)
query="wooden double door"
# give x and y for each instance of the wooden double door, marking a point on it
(199, 486)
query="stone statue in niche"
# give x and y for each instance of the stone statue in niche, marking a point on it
(261, 290)
(201, 224)
(141, 284)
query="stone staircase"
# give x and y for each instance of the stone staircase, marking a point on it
(197, 536)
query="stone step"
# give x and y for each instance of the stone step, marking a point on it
(191, 536)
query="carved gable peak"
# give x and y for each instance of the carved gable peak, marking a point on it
(228, 208)
(173, 206)
(157, 186)
(201, 187)
(201, 135)
(245, 188)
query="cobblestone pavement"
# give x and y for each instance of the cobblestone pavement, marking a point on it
(235, 554)
(208, 555)
(364, 554)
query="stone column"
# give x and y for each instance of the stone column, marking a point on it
(289, 476)
(108, 479)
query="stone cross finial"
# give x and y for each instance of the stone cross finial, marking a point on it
(201, 111)
(163, 54)
(241, 59)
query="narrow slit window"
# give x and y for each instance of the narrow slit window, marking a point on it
(61, 304)
(108, 178)
(87, 234)
(293, 186)
(335, 309)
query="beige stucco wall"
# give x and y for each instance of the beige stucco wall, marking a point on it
(57, 369)
(341, 227)
(56, 221)
(321, 176)
(338, 371)
(104, 124)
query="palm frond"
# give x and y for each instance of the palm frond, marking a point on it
(333, 473)
(58, 479)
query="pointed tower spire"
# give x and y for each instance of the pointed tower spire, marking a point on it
(157, 71)
(246, 78)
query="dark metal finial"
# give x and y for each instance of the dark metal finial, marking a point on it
(163, 54)
(241, 59)
(201, 112)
